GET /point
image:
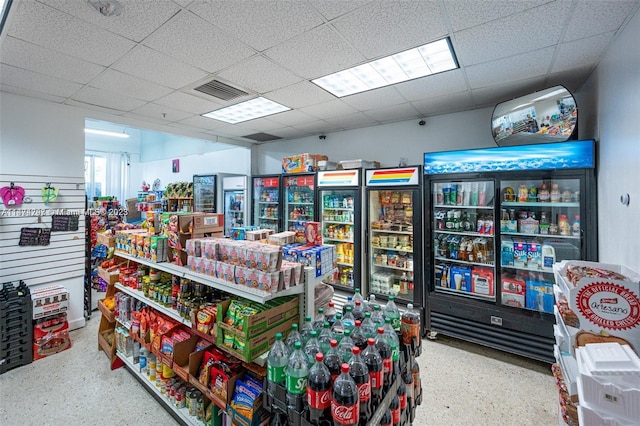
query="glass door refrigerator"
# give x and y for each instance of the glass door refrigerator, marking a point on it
(267, 212)
(234, 190)
(204, 193)
(299, 203)
(394, 234)
(339, 212)
(496, 221)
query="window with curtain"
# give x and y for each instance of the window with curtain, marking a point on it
(106, 174)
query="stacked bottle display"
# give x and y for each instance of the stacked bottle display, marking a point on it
(351, 368)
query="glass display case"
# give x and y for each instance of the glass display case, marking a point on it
(299, 205)
(266, 202)
(204, 193)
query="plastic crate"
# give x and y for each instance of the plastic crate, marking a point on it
(16, 342)
(15, 327)
(14, 361)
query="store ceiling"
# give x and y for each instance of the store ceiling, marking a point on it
(144, 64)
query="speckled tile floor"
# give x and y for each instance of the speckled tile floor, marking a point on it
(463, 384)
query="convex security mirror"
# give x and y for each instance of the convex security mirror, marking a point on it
(549, 115)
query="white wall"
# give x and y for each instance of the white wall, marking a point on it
(386, 143)
(613, 108)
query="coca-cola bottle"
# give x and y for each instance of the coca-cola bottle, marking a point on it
(384, 348)
(368, 327)
(407, 379)
(386, 418)
(305, 333)
(417, 384)
(346, 305)
(297, 372)
(360, 374)
(312, 347)
(325, 337)
(345, 402)
(330, 313)
(318, 321)
(358, 337)
(333, 360)
(293, 337)
(345, 345)
(338, 327)
(358, 310)
(372, 358)
(402, 396)
(394, 407)
(319, 391)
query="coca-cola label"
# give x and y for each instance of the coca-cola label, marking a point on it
(364, 390)
(319, 399)
(403, 401)
(387, 365)
(395, 416)
(376, 379)
(345, 414)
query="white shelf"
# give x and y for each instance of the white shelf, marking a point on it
(391, 267)
(267, 202)
(391, 249)
(387, 231)
(521, 234)
(465, 293)
(537, 204)
(464, 262)
(350, 209)
(344, 240)
(350, 265)
(522, 268)
(238, 290)
(267, 218)
(299, 203)
(471, 234)
(337, 222)
(453, 206)
(180, 413)
(172, 313)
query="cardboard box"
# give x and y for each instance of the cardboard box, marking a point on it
(513, 291)
(256, 346)
(49, 300)
(106, 239)
(277, 311)
(51, 344)
(222, 396)
(302, 163)
(180, 356)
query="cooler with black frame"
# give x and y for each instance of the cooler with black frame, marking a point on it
(266, 206)
(299, 202)
(496, 220)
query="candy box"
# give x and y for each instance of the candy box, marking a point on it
(513, 291)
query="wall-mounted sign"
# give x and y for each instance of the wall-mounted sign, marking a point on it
(35, 237)
(61, 223)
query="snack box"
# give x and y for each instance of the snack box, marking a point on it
(254, 346)
(49, 300)
(605, 309)
(513, 291)
(482, 281)
(460, 278)
(51, 343)
(282, 238)
(302, 163)
(273, 313)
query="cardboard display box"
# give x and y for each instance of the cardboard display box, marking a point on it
(106, 239)
(49, 300)
(110, 276)
(256, 346)
(254, 325)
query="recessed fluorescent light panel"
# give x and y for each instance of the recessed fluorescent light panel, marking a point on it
(245, 111)
(106, 133)
(418, 62)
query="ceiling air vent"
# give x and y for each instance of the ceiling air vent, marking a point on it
(220, 90)
(262, 137)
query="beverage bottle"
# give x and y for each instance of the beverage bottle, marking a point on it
(394, 407)
(417, 385)
(279, 419)
(358, 297)
(392, 336)
(358, 337)
(386, 418)
(277, 360)
(410, 326)
(293, 337)
(575, 228)
(377, 316)
(345, 402)
(305, 333)
(358, 311)
(312, 347)
(296, 372)
(330, 313)
(143, 360)
(360, 374)
(319, 391)
(407, 379)
(372, 302)
(325, 337)
(402, 396)
(333, 359)
(349, 303)
(345, 346)
(391, 311)
(368, 327)
(318, 321)
(384, 348)
(338, 328)
(372, 358)
(348, 319)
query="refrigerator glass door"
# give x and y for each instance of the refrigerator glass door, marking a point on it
(539, 225)
(204, 193)
(266, 193)
(391, 242)
(298, 204)
(338, 218)
(463, 238)
(233, 210)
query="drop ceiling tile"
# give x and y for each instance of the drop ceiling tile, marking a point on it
(334, 108)
(394, 113)
(432, 85)
(372, 99)
(581, 53)
(596, 16)
(108, 99)
(352, 121)
(510, 69)
(267, 124)
(197, 42)
(39, 59)
(300, 95)
(233, 130)
(189, 103)
(291, 118)
(159, 68)
(471, 13)
(492, 95)
(526, 31)
(572, 80)
(259, 74)
(183, 3)
(318, 128)
(144, 118)
(136, 21)
(162, 112)
(285, 132)
(315, 53)
(35, 82)
(125, 84)
(201, 122)
(271, 22)
(28, 93)
(401, 25)
(332, 9)
(47, 27)
(445, 104)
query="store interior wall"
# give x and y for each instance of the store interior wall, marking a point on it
(386, 143)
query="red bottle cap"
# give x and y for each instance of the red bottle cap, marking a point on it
(319, 356)
(345, 368)
(333, 343)
(355, 350)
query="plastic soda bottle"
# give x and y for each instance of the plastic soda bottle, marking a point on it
(277, 361)
(319, 391)
(333, 360)
(345, 402)
(360, 373)
(391, 311)
(325, 337)
(410, 326)
(345, 346)
(368, 327)
(305, 333)
(296, 372)
(312, 347)
(293, 337)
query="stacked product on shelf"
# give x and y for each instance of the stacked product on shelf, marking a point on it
(16, 329)
(179, 196)
(595, 303)
(50, 327)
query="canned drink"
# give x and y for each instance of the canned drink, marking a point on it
(200, 409)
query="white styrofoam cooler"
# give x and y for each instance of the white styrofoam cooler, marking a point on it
(587, 416)
(609, 381)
